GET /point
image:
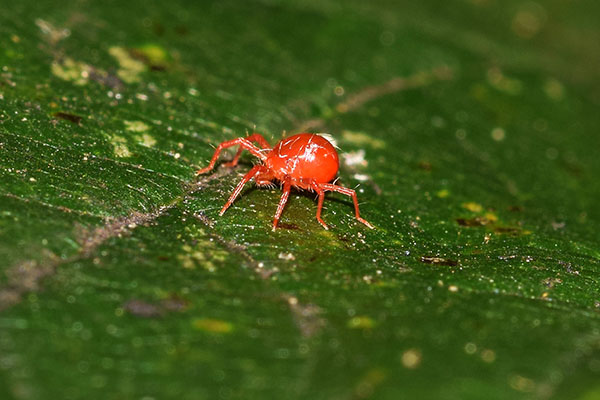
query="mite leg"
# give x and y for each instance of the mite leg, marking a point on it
(255, 137)
(284, 198)
(347, 192)
(244, 144)
(255, 170)
(321, 194)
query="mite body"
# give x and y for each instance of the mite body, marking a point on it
(305, 161)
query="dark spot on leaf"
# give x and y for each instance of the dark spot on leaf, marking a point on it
(146, 56)
(163, 258)
(76, 119)
(284, 225)
(515, 208)
(343, 238)
(182, 30)
(477, 221)
(438, 261)
(572, 168)
(425, 165)
(507, 230)
(145, 309)
(158, 28)
(568, 267)
(551, 282)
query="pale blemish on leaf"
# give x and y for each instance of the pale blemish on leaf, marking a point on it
(72, 71)
(355, 158)
(362, 139)
(146, 140)
(120, 146)
(503, 83)
(53, 34)
(136, 126)
(498, 134)
(201, 255)
(554, 89)
(411, 358)
(130, 68)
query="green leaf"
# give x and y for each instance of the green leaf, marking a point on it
(469, 130)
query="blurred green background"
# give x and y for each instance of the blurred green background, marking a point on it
(468, 127)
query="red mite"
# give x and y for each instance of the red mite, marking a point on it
(305, 161)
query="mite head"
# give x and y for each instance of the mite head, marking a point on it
(264, 179)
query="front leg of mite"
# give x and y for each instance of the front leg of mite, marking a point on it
(255, 170)
(242, 142)
(255, 137)
(287, 186)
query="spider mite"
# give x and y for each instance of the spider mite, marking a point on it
(305, 161)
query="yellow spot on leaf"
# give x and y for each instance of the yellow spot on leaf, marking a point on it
(155, 54)
(490, 216)
(442, 194)
(472, 206)
(213, 325)
(130, 68)
(361, 322)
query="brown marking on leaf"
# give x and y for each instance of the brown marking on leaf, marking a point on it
(175, 303)
(438, 261)
(285, 225)
(145, 309)
(476, 221)
(370, 93)
(76, 119)
(508, 230)
(551, 282)
(26, 276)
(397, 84)
(107, 79)
(202, 217)
(425, 165)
